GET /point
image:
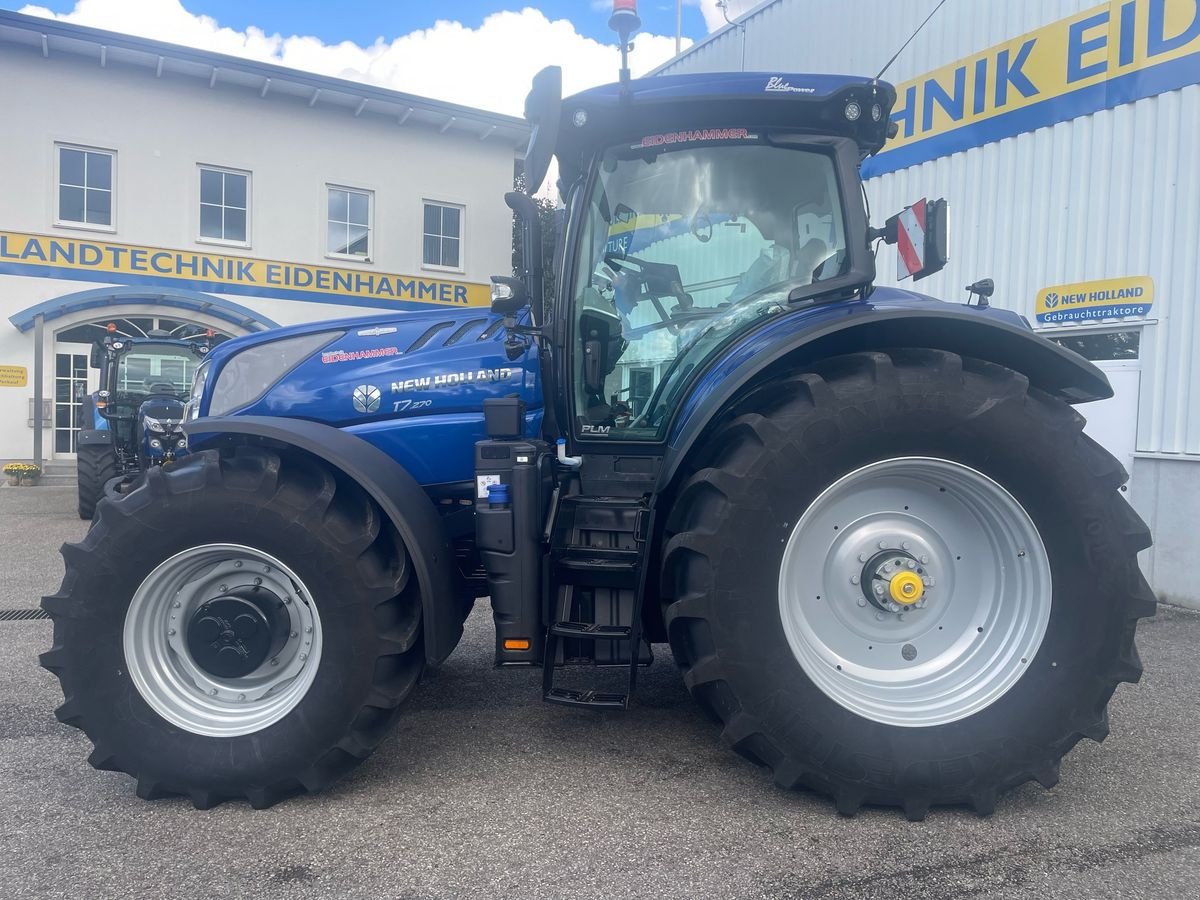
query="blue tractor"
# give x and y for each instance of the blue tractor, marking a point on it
(134, 420)
(867, 522)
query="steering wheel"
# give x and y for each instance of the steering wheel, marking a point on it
(701, 226)
(161, 387)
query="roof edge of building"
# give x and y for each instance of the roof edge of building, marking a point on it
(273, 71)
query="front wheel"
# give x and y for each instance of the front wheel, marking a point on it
(240, 625)
(96, 465)
(905, 579)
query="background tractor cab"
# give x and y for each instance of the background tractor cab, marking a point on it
(134, 420)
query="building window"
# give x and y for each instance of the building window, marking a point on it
(224, 205)
(85, 186)
(443, 236)
(348, 225)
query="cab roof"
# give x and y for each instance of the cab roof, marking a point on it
(847, 106)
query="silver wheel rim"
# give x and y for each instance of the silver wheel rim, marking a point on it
(170, 680)
(983, 601)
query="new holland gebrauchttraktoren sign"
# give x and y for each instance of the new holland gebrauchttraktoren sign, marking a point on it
(1114, 53)
(1088, 301)
(93, 260)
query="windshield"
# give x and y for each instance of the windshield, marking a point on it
(682, 249)
(157, 369)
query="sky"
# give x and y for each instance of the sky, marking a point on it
(480, 53)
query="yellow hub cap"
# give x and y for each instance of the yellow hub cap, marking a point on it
(906, 588)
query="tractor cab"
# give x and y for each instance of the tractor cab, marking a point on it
(136, 415)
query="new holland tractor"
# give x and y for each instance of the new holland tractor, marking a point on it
(883, 552)
(134, 420)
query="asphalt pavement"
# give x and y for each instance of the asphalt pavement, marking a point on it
(484, 791)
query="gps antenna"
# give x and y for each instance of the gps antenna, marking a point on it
(624, 21)
(909, 41)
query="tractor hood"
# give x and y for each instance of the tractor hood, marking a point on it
(359, 371)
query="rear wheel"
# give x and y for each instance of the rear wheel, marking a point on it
(236, 626)
(96, 464)
(905, 579)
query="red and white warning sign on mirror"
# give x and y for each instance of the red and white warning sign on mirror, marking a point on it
(910, 240)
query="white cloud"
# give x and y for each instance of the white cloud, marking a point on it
(489, 67)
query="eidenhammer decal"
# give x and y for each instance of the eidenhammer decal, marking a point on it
(341, 356)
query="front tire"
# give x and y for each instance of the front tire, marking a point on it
(96, 465)
(1027, 552)
(286, 703)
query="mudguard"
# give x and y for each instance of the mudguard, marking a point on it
(993, 336)
(398, 494)
(94, 436)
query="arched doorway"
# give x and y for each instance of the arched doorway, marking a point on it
(61, 351)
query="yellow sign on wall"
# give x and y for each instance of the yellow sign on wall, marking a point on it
(14, 376)
(87, 260)
(1114, 53)
(1083, 301)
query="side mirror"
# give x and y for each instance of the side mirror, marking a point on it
(922, 235)
(543, 109)
(509, 296)
(97, 355)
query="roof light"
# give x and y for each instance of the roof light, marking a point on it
(580, 118)
(110, 327)
(876, 112)
(853, 111)
(624, 17)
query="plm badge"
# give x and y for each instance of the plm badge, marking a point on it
(366, 398)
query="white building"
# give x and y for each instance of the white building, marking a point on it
(1064, 135)
(155, 186)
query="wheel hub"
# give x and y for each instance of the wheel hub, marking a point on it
(895, 580)
(235, 634)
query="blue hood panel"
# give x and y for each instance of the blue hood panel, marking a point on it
(388, 378)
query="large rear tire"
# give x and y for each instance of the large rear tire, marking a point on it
(1000, 567)
(180, 693)
(96, 464)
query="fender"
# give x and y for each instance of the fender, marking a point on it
(90, 436)
(796, 340)
(398, 494)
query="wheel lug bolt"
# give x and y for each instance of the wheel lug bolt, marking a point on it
(854, 579)
(294, 634)
(862, 602)
(176, 605)
(213, 691)
(862, 557)
(911, 564)
(171, 632)
(303, 657)
(241, 696)
(879, 589)
(925, 558)
(238, 564)
(905, 545)
(879, 616)
(882, 545)
(258, 581)
(308, 629)
(274, 662)
(224, 588)
(266, 568)
(287, 599)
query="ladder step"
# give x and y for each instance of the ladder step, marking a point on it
(589, 630)
(586, 699)
(598, 572)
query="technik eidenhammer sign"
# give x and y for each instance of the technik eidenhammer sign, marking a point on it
(87, 260)
(1105, 56)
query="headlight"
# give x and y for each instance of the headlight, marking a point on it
(251, 373)
(156, 443)
(192, 407)
(154, 425)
